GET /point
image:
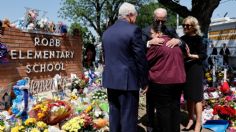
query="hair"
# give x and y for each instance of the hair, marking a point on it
(194, 23)
(160, 10)
(91, 47)
(126, 9)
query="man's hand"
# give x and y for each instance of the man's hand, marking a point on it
(173, 42)
(156, 41)
(145, 89)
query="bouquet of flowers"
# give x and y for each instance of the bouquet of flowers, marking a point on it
(226, 109)
(5, 122)
(99, 95)
(31, 125)
(225, 112)
(79, 83)
(81, 122)
(51, 112)
(208, 76)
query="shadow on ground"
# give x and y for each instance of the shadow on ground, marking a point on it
(142, 122)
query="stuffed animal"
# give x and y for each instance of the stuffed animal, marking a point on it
(20, 103)
(6, 23)
(52, 27)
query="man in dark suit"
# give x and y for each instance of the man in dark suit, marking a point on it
(224, 51)
(125, 69)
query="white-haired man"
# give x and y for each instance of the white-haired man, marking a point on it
(125, 69)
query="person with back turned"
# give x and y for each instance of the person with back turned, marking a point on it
(125, 69)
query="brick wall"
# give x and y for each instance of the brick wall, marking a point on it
(24, 41)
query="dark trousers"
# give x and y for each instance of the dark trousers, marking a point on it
(225, 60)
(123, 112)
(165, 99)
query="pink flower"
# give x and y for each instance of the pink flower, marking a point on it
(228, 98)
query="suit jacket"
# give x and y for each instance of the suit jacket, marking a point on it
(125, 60)
(226, 53)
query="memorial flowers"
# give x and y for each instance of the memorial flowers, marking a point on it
(226, 109)
(50, 111)
(99, 95)
(225, 112)
(79, 83)
(18, 128)
(30, 125)
(81, 122)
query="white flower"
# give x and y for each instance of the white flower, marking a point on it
(97, 113)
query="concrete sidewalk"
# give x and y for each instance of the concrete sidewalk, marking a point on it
(142, 117)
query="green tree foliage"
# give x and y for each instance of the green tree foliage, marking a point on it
(86, 35)
(97, 14)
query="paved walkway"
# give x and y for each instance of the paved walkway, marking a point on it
(142, 117)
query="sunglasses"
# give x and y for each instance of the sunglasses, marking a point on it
(158, 21)
(186, 25)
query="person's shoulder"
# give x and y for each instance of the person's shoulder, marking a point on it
(170, 28)
(147, 28)
(183, 37)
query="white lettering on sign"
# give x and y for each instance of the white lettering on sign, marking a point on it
(41, 54)
(47, 42)
(38, 86)
(45, 54)
(13, 54)
(45, 67)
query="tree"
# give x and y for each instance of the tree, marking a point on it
(145, 17)
(85, 34)
(201, 9)
(97, 14)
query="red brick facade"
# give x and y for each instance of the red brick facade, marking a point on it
(24, 41)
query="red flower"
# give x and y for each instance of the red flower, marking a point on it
(228, 98)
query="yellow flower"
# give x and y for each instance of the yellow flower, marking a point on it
(2, 128)
(41, 125)
(21, 128)
(40, 115)
(46, 130)
(44, 108)
(73, 97)
(35, 130)
(30, 121)
(88, 109)
(17, 129)
(209, 79)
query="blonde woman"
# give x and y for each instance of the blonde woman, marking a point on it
(196, 54)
